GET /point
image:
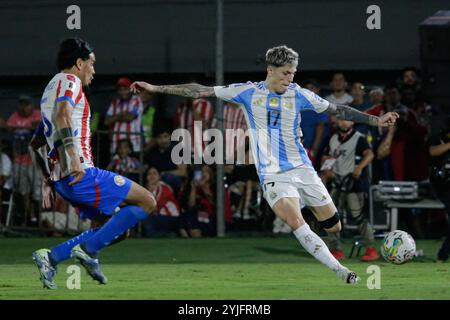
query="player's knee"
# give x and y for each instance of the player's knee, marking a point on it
(148, 202)
(332, 224)
(335, 229)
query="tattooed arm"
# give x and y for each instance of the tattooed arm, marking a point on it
(343, 112)
(189, 90)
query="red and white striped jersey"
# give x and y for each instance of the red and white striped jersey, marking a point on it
(131, 130)
(185, 118)
(167, 204)
(67, 87)
(233, 117)
(200, 110)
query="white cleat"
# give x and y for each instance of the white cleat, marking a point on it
(348, 276)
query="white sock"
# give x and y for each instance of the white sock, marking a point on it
(318, 249)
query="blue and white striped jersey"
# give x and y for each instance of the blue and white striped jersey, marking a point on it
(274, 123)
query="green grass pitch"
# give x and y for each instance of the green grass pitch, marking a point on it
(227, 268)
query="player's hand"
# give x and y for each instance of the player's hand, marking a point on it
(388, 119)
(48, 194)
(137, 86)
(357, 173)
(77, 172)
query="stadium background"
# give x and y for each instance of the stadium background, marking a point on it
(174, 41)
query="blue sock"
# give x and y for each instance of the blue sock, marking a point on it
(126, 218)
(61, 252)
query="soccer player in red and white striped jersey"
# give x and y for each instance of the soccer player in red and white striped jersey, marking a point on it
(124, 116)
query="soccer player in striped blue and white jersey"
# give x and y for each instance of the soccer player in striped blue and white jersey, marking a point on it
(272, 111)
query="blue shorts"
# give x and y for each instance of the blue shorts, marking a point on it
(99, 191)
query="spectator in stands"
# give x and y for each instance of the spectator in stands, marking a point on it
(339, 95)
(198, 200)
(358, 92)
(244, 182)
(410, 80)
(376, 97)
(409, 141)
(160, 157)
(27, 179)
(124, 163)
(124, 116)
(165, 218)
(314, 127)
(346, 164)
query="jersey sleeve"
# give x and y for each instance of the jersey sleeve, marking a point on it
(69, 89)
(314, 101)
(233, 92)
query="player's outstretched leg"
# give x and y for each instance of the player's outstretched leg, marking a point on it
(89, 263)
(46, 270)
(141, 204)
(46, 260)
(288, 209)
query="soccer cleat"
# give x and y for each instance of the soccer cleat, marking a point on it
(338, 254)
(352, 278)
(348, 276)
(46, 270)
(370, 255)
(91, 265)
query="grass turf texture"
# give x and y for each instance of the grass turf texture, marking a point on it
(231, 268)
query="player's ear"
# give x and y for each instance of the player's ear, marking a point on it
(79, 63)
(269, 70)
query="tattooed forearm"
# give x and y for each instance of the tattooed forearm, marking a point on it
(348, 113)
(190, 90)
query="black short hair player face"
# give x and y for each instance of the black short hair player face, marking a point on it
(77, 57)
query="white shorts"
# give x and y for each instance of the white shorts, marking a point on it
(301, 182)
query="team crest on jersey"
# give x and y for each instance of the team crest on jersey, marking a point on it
(274, 102)
(119, 180)
(259, 102)
(288, 104)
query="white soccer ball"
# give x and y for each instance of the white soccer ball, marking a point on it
(398, 247)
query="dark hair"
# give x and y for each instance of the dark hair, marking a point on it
(312, 82)
(410, 68)
(70, 50)
(128, 142)
(150, 168)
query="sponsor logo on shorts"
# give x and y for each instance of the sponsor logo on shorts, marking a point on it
(272, 195)
(119, 180)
